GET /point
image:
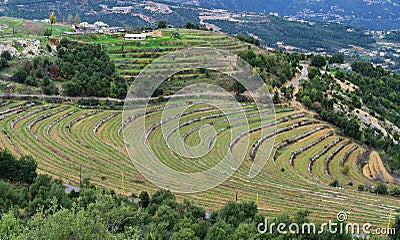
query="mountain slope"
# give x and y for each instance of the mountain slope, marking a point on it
(378, 14)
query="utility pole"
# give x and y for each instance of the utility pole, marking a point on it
(123, 182)
(257, 200)
(80, 175)
(388, 227)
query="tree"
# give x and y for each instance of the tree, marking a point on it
(162, 24)
(276, 99)
(70, 19)
(335, 183)
(26, 169)
(381, 189)
(6, 54)
(156, 231)
(244, 231)
(395, 192)
(3, 62)
(167, 215)
(7, 165)
(52, 19)
(144, 199)
(19, 76)
(190, 25)
(234, 213)
(51, 224)
(318, 61)
(77, 19)
(219, 231)
(47, 32)
(313, 72)
(288, 92)
(46, 81)
(9, 196)
(10, 226)
(176, 35)
(337, 58)
(238, 88)
(184, 234)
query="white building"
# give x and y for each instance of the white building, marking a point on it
(85, 25)
(99, 24)
(139, 37)
(122, 9)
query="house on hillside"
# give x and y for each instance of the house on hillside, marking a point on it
(99, 25)
(123, 10)
(85, 26)
(343, 67)
(135, 37)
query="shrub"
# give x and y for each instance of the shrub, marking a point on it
(381, 189)
(3, 62)
(346, 170)
(6, 55)
(19, 76)
(335, 183)
(395, 192)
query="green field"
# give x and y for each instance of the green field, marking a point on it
(17, 27)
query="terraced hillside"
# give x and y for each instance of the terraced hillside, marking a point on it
(130, 57)
(307, 156)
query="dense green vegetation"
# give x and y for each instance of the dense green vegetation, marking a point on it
(275, 68)
(88, 71)
(377, 89)
(30, 10)
(42, 209)
(368, 14)
(4, 58)
(82, 69)
(328, 36)
(248, 39)
(36, 73)
(313, 95)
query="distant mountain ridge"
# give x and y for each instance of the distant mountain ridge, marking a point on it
(371, 14)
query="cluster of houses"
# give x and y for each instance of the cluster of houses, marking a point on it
(97, 27)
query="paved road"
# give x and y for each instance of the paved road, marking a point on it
(65, 98)
(14, 95)
(296, 82)
(70, 188)
(368, 122)
(304, 75)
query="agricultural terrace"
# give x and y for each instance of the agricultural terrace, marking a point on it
(130, 57)
(307, 156)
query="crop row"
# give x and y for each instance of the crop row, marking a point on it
(14, 110)
(69, 125)
(310, 145)
(330, 156)
(348, 153)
